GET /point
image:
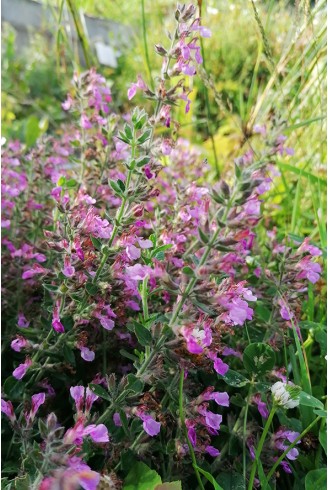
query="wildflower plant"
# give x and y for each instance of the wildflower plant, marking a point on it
(139, 291)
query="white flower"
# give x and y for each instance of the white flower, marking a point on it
(285, 395)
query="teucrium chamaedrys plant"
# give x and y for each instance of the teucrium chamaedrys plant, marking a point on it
(128, 277)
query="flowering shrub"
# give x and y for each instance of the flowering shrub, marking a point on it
(143, 302)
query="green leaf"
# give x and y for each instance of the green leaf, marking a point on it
(258, 358)
(143, 335)
(144, 137)
(115, 186)
(204, 238)
(232, 378)
(142, 161)
(32, 130)
(100, 391)
(309, 401)
(123, 138)
(322, 413)
(174, 485)
(323, 439)
(68, 354)
(188, 271)
(128, 132)
(231, 481)
(121, 185)
(134, 384)
(13, 388)
(141, 477)
(96, 242)
(316, 479)
(208, 477)
(71, 183)
(321, 337)
(91, 288)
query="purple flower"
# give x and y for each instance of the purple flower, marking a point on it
(192, 436)
(150, 425)
(107, 323)
(285, 312)
(138, 272)
(205, 31)
(212, 451)
(37, 401)
(56, 323)
(85, 122)
(98, 433)
(117, 419)
(19, 343)
(8, 409)
(197, 339)
(145, 243)
(133, 252)
(36, 269)
(132, 91)
(261, 406)
(220, 367)
(90, 398)
(212, 420)
(68, 270)
(22, 322)
(220, 398)
(77, 393)
(20, 371)
(87, 354)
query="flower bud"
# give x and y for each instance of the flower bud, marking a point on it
(160, 50)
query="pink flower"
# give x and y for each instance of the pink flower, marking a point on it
(212, 451)
(87, 354)
(85, 122)
(20, 371)
(77, 393)
(133, 252)
(212, 420)
(37, 401)
(220, 367)
(262, 408)
(117, 419)
(8, 409)
(19, 343)
(68, 270)
(221, 398)
(197, 338)
(134, 86)
(285, 311)
(107, 323)
(151, 426)
(205, 31)
(22, 322)
(56, 323)
(144, 243)
(36, 269)
(68, 103)
(309, 270)
(138, 272)
(192, 436)
(98, 433)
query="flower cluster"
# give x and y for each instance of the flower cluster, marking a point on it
(123, 265)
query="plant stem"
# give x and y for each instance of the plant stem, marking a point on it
(184, 429)
(293, 444)
(260, 447)
(80, 32)
(144, 33)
